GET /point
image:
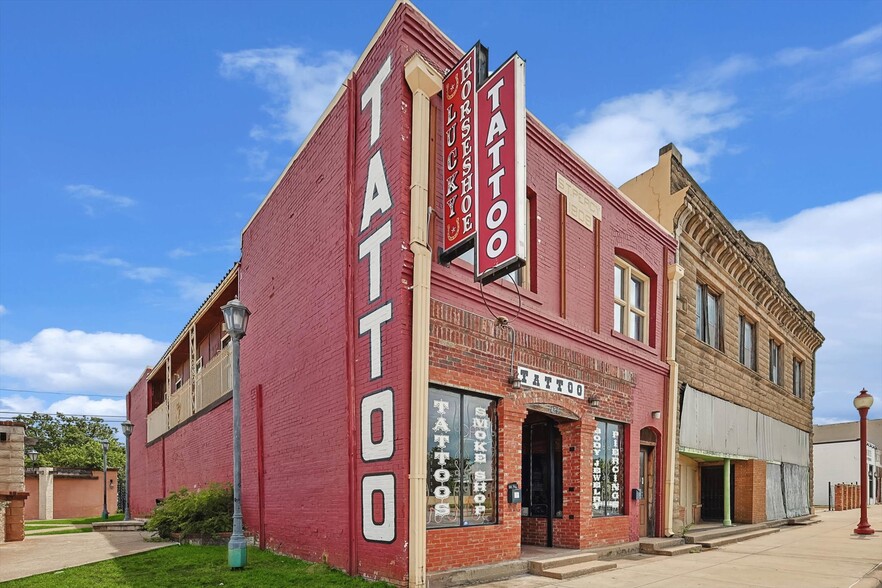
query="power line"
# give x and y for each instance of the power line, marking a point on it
(97, 416)
(62, 393)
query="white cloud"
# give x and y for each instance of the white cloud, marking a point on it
(146, 274)
(194, 290)
(96, 258)
(830, 257)
(89, 197)
(832, 69)
(622, 137)
(20, 404)
(84, 405)
(230, 245)
(3, 310)
(189, 289)
(300, 86)
(67, 361)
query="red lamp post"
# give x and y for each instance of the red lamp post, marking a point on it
(863, 402)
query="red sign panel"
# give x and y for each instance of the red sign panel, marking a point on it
(460, 89)
(500, 154)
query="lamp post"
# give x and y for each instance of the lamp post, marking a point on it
(104, 444)
(236, 320)
(127, 427)
(863, 402)
(32, 453)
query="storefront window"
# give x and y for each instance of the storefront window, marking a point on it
(461, 481)
(608, 469)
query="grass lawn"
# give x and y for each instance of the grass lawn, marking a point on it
(84, 521)
(191, 565)
(60, 531)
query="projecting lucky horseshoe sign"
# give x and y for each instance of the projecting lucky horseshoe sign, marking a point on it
(485, 164)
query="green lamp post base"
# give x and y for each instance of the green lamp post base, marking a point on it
(236, 557)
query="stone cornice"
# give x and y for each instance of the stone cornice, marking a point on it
(748, 263)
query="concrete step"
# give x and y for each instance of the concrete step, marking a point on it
(679, 549)
(735, 538)
(577, 569)
(804, 520)
(477, 574)
(540, 565)
(717, 532)
(106, 526)
(652, 545)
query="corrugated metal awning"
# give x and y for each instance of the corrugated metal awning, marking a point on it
(711, 425)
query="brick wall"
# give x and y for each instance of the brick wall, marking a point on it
(750, 491)
(466, 353)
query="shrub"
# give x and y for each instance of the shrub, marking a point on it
(202, 513)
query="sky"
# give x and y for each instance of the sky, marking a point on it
(138, 138)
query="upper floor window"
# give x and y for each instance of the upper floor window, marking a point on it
(797, 378)
(747, 342)
(709, 317)
(631, 306)
(774, 362)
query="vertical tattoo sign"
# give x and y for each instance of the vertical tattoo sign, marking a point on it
(375, 230)
(459, 91)
(502, 180)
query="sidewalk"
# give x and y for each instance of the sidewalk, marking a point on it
(40, 554)
(826, 554)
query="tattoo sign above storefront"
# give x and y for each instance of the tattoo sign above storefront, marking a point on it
(485, 164)
(542, 381)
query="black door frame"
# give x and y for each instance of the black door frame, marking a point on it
(550, 469)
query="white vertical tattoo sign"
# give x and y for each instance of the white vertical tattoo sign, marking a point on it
(382, 402)
(380, 529)
(376, 436)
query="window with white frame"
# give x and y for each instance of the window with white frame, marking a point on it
(797, 378)
(631, 302)
(747, 342)
(775, 362)
(709, 316)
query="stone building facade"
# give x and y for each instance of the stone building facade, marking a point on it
(745, 357)
(12, 481)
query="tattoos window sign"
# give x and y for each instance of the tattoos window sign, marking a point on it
(461, 482)
(608, 469)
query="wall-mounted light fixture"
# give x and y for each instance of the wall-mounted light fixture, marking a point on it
(656, 414)
(593, 401)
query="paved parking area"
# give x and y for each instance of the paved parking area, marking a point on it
(40, 554)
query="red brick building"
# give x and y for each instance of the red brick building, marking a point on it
(385, 409)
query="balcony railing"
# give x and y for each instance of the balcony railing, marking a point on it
(157, 421)
(215, 379)
(180, 404)
(194, 396)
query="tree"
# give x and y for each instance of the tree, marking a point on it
(73, 442)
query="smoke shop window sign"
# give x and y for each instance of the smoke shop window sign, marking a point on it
(542, 381)
(461, 485)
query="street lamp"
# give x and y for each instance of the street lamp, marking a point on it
(236, 320)
(104, 444)
(32, 453)
(863, 402)
(127, 427)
